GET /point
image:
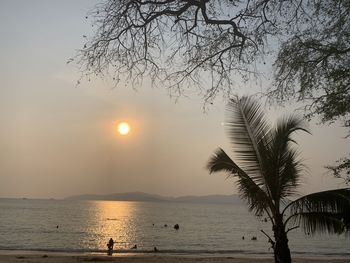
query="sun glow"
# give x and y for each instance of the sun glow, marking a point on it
(123, 128)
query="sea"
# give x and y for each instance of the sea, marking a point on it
(204, 229)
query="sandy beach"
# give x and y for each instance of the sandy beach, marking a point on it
(67, 258)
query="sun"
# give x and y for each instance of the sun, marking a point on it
(123, 128)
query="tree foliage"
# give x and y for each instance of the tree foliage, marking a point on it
(341, 169)
(313, 66)
(314, 63)
(269, 170)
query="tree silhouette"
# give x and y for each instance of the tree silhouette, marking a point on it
(179, 42)
(268, 172)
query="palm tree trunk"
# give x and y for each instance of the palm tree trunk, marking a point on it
(281, 248)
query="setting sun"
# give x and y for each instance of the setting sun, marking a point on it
(123, 128)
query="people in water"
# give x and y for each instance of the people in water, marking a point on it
(155, 249)
(253, 238)
(110, 246)
(134, 247)
(176, 226)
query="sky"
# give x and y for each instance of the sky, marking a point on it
(58, 139)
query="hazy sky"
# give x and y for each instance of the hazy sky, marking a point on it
(57, 139)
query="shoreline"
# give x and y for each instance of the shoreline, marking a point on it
(25, 256)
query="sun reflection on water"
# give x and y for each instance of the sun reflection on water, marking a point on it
(112, 219)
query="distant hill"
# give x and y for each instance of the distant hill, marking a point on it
(145, 197)
(132, 196)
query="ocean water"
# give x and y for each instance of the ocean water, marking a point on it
(86, 226)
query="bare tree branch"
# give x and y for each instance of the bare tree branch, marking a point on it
(182, 44)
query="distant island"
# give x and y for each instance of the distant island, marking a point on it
(145, 197)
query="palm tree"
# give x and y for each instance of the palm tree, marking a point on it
(268, 171)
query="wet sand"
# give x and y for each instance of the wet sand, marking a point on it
(42, 257)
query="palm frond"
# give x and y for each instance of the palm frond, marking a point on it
(283, 164)
(257, 199)
(326, 211)
(221, 162)
(321, 222)
(289, 174)
(249, 190)
(247, 129)
(286, 126)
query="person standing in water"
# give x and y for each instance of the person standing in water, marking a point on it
(110, 246)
